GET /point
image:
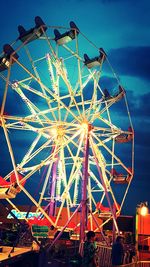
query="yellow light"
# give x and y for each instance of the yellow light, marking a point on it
(144, 211)
(53, 132)
(84, 126)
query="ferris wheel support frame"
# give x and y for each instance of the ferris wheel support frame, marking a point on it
(84, 208)
(52, 206)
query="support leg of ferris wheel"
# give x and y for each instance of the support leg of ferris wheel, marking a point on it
(84, 208)
(114, 228)
(105, 189)
(100, 229)
(61, 232)
(52, 206)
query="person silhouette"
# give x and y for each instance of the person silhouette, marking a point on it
(117, 254)
(89, 250)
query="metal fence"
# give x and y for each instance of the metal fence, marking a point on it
(103, 259)
(137, 264)
(103, 256)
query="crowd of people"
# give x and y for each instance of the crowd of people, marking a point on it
(120, 253)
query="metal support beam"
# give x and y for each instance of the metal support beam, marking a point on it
(84, 209)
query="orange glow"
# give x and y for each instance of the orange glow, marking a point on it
(144, 225)
(144, 211)
(84, 126)
(53, 132)
(57, 131)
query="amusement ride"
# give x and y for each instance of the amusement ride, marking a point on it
(66, 131)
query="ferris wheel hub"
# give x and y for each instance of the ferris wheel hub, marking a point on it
(87, 126)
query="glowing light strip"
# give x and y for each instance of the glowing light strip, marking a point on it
(22, 214)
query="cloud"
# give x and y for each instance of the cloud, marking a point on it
(139, 105)
(107, 82)
(142, 135)
(132, 61)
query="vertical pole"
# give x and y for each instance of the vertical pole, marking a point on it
(52, 206)
(136, 233)
(83, 217)
(114, 228)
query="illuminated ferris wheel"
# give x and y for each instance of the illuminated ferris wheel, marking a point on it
(65, 128)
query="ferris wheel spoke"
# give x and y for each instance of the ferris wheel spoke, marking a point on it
(97, 182)
(108, 185)
(29, 152)
(118, 160)
(6, 89)
(46, 180)
(63, 175)
(55, 82)
(73, 53)
(74, 168)
(32, 62)
(76, 186)
(94, 103)
(53, 78)
(55, 97)
(29, 104)
(62, 72)
(108, 104)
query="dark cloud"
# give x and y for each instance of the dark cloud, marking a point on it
(107, 82)
(139, 105)
(141, 172)
(132, 61)
(142, 134)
